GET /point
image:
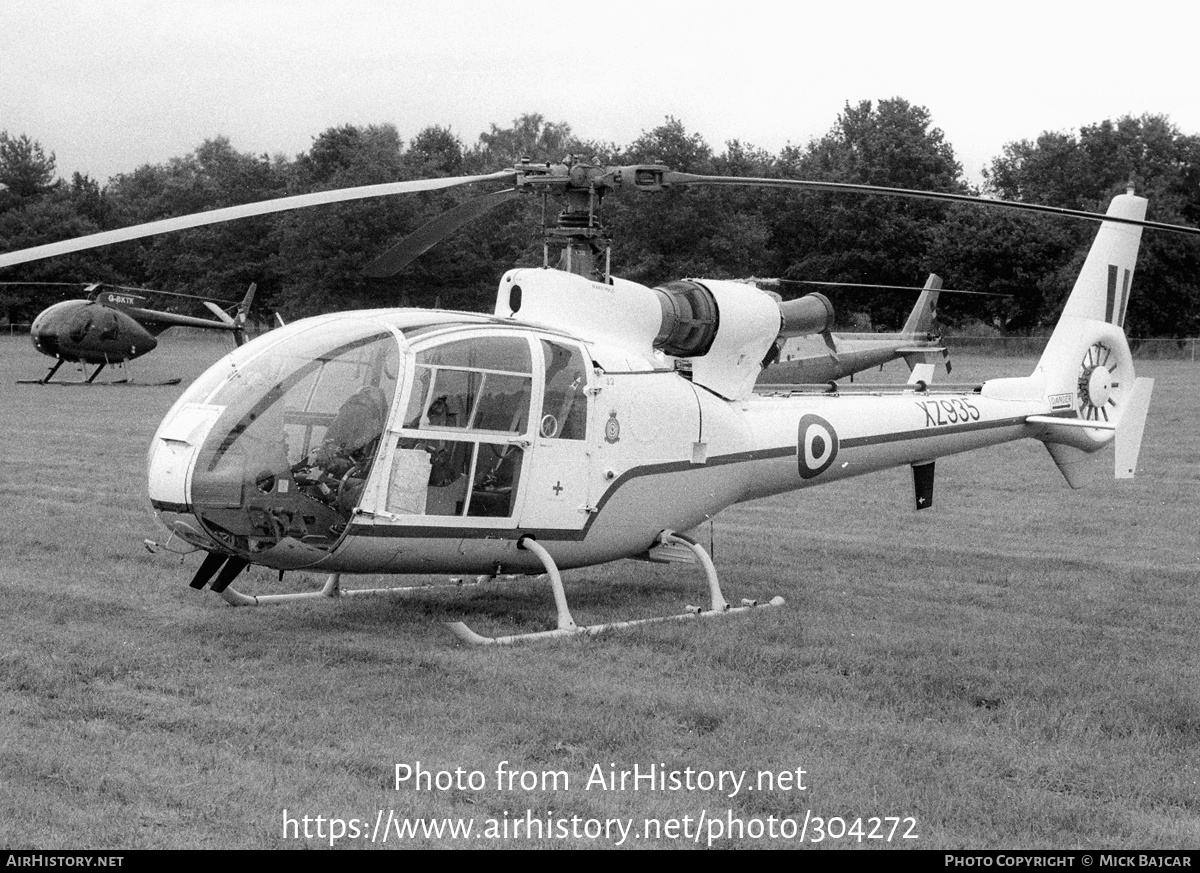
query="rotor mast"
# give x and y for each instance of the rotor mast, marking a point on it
(577, 232)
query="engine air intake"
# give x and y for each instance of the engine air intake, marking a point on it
(689, 319)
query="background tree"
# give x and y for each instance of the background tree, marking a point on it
(868, 239)
(530, 136)
(715, 232)
(218, 260)
(37, 208)
(1147, 153)
(311, 261)
(25, 169)
(322, 251)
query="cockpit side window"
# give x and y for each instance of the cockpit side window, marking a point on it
(109, 328)
(81, 323)
(564, 402)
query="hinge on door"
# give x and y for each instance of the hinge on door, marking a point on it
(375, 513)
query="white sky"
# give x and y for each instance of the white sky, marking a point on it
(109, 85)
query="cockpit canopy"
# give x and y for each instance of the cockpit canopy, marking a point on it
(284, 435)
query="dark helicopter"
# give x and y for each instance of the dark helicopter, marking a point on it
(112, 326)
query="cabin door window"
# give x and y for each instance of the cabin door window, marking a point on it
(462, 446)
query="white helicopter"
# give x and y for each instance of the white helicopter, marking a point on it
(588, 418)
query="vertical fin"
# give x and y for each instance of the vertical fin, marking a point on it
(923, 484)
(1112, 256)
(920, 320)
(1071, 462)
(1131, 427)
(921, 375)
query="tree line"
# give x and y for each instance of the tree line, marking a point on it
(311, 261)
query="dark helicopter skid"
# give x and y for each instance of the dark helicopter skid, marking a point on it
(91, 380)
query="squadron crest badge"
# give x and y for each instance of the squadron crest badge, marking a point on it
(612, 428)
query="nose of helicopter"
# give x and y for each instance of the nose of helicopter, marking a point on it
(44, 337)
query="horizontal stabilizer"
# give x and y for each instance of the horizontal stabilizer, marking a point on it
(1071, 422)
(1133, 423)
(931, 355)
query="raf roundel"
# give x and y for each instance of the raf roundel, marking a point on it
(816, 446)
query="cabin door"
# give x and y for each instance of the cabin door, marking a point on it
(557, 491)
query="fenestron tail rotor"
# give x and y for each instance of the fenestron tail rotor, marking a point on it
(1099, 381)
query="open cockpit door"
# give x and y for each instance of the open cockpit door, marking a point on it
(492, 435)
(458, 449)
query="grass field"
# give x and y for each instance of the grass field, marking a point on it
(1017, 668)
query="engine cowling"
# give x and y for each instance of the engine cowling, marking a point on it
(718, 331)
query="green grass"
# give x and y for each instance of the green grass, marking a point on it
(1018, 667)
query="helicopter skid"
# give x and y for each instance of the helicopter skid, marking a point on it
(48, 379)
(332, 590)
(464, 633)
(566, 624)
(129, 383)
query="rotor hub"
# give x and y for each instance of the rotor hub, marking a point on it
(1095, 386)
(1099, 385)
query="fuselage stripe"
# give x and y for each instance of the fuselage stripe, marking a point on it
(415, 531)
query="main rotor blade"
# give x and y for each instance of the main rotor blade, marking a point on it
(671, 177)
(432, 232)
(889, 287)
(117, 288)
(232, 213)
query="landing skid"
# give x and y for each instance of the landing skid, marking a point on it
(91, 380)
(332, 589)
(116, 383)
(566, 624)
(222, 570)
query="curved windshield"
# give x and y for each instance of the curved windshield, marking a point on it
(297, 434)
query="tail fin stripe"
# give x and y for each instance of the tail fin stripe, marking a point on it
(1124, 296)
(1112, 293)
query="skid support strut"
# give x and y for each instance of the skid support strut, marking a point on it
(46, 379)
(566, 624)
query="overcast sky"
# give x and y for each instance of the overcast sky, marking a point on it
(109, 85)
